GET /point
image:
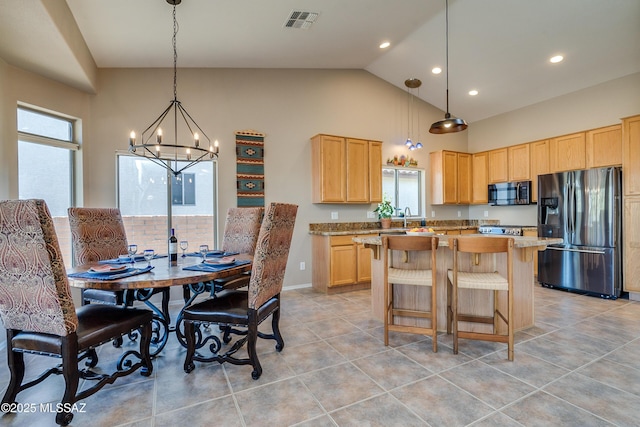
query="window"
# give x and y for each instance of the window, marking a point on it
(403, 186)
(142, 198)
(46, 151)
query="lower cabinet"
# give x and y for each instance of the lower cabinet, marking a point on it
(340, 264)
(631, 269)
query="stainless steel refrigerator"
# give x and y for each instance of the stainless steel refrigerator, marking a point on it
(584, 209)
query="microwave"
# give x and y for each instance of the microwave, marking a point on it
(510, 193)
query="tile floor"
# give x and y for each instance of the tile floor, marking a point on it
(579, 366)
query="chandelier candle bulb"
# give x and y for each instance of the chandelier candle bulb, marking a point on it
(196, 139)
(159, 136)
(132, 138)
(188, 154)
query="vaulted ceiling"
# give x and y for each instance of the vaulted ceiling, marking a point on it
(501, 48)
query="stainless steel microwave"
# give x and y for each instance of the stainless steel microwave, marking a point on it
(510, 193)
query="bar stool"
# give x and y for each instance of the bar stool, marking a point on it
(405, 273)
(472, 279)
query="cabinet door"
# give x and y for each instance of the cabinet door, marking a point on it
(631, 272)
(539, 153)
(343, 265)
(519, 163)
(480, 163)
(498, 166)
(465, 175)
(375, 171)
(357, 170)
(567, 152)
(450, 177)
(327, 167)
(631, 158)
(604, 147)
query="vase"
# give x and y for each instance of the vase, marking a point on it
(385, 222)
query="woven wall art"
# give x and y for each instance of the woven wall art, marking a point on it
(250, 168)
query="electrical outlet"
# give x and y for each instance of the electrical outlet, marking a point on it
(433, 214)
(486, 214)
(302, 265)
(371, 214)
(459, 214)
(334, 215)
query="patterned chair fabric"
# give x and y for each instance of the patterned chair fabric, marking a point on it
(241, 229)
(272, 252)
(34, 291)
(96, 234)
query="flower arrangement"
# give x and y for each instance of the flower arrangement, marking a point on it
(384, 209)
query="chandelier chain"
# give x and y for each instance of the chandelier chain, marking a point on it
(175, 55)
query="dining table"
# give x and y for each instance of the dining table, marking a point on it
(141, 281)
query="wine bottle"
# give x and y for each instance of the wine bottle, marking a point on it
(173, 248)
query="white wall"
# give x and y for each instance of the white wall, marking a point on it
(594, 107)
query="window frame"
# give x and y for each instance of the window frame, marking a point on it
(420, 191)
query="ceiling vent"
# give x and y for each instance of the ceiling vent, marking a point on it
(300, 19)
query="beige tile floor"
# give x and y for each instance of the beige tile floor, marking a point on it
(579, 366)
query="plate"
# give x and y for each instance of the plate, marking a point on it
(221, 261)
(420, 233)
(108, 269)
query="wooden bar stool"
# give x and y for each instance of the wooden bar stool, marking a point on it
(405, 273)
(470, 278)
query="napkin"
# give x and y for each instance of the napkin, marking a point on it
(213, 268)
(119, 274)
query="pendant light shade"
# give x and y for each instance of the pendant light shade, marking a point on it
(449, 124)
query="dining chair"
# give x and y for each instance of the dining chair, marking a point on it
(402, 268)
(247, 308)
(98, 234)
(38, 313)
(470, 274)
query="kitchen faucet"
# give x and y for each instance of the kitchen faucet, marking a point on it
(407, 212)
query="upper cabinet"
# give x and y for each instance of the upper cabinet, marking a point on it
(519, 164)
(539, 165)
(480, 180)
(568, 152)
(346, 170)
(604, 147)
(631, 157)
(451, 177)
(498, 166)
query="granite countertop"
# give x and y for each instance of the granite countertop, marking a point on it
(520, 241)
(371, 227)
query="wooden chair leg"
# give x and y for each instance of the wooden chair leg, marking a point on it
(71, 377)
(275, 327)
(15, 360)
(449, 312)
(190, 336)
(434, 318)
(454, 316)
(145, 353)
(387, 316)
(252, 338)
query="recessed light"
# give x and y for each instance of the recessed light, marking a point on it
(473, 92)
(385, 45)
(556, 59)
(436, 70)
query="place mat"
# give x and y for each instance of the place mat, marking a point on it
(127, 259)
(212, 254)
(114, 276)
(213, 268)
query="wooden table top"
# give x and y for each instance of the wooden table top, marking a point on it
(162, 276)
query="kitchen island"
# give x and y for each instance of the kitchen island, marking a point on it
(471, 302)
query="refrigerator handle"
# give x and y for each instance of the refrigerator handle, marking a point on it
(571, 217)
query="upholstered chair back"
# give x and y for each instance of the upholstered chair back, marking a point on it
(272, 252)
(241, 229)
(34, 291)
(96, 234)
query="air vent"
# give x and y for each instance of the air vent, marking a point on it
(300, 19)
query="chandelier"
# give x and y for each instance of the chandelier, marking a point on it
(173, 155)
(449, 124)
(412, 84)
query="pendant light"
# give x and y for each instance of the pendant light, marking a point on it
(173, 155)
(449, 124)
(412, 83)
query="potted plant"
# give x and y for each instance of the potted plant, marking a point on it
(385, 212)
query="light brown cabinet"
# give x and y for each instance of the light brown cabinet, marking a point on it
(451, 178)
(568, 152)
(346, 170)
(519, 163)
(604, 147)
(340, 264)
(631, 174)
(480, 181)
(498, 166)
(539, 156)
(533, 233)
